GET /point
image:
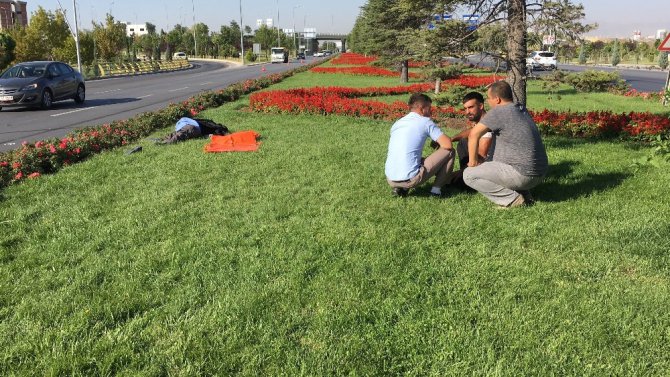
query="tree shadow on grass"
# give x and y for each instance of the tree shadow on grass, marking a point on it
(561, 184)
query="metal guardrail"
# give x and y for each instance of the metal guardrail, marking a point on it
(137, 68)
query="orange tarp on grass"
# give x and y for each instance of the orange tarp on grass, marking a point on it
(243, 141)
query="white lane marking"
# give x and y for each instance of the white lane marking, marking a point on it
(176, 90)
(9, 144)
(108, 91)
(74, 111)
(206, 83)
(148, 95)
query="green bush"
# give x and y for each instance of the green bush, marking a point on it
(452, 96)
(595, 81)
(250, 56)
(449, 72)
(663, 60)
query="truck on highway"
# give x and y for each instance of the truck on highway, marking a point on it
(279, 55)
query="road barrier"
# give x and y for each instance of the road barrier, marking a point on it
(138, 68)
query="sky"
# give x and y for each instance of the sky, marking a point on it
(616, 18)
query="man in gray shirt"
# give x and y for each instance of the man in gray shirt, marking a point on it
(519, 160)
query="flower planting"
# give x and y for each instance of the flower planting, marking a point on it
(346, 101)
(601, 124)
(350, 58)
(362, 71)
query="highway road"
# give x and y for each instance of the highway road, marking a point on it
(642, 80)
(122, 97)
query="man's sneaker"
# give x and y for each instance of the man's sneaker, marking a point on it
(527, 197)
(518, 202)
(400, 192)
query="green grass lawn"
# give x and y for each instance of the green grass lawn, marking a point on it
(296, 260)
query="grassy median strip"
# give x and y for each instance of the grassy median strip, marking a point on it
(296, 260)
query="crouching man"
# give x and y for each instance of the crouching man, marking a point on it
(405, 168)
(519, 161)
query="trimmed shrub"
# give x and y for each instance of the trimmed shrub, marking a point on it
(595, 81)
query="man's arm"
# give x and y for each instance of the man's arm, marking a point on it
(484, 146)
(445, 142)
(473, 143)
(461, 135)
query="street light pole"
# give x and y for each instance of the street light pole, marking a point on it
(195, 40)
(76, 36)
(241, 35)
(294, 45)
(278, 41)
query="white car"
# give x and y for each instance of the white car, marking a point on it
(179, 55)
(318, 54)
(542, 60)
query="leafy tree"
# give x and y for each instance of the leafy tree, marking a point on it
(202, 38)
(491, 39)
(7, 46)
(110, 38)
(560, 18)
(616, 57)
(46, 33)
(582, 54)
(663, 60)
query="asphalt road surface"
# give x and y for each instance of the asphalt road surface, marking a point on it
(642, 80)
(123, 97)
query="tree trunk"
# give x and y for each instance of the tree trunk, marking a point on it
(404, 72)
(516, 49)
(438, 83)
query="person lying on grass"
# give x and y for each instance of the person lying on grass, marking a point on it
(519, 161)
(473, 105)
(405, 168)
(188, 128)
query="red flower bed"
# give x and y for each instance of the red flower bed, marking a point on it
(339, 101)
(601, 123)
(351, 58)
(413, 64)
(362, 71)
(344, 101)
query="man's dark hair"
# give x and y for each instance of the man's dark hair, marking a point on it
(419, 100)
(473, 95)
(502, 90)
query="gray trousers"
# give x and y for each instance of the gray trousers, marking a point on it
(499, 182)
(439, 164)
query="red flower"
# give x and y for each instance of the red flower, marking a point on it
(33, 175)
(16, 165)
(18, 176)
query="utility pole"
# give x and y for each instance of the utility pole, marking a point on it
(76, 36)
(278, 40)
(294, 45)
(241, 35)
(195, 40)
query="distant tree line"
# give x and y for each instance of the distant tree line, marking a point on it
(49, 37)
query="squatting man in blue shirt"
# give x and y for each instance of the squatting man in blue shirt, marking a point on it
(405, 168)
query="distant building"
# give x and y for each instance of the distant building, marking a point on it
(637, 36)
(661, 33)
(136, 29)
(13, 13)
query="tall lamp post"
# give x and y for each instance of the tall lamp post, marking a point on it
(76, 35)
(195, 40)
(278, 41)
(294, 45)
(241, 35)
